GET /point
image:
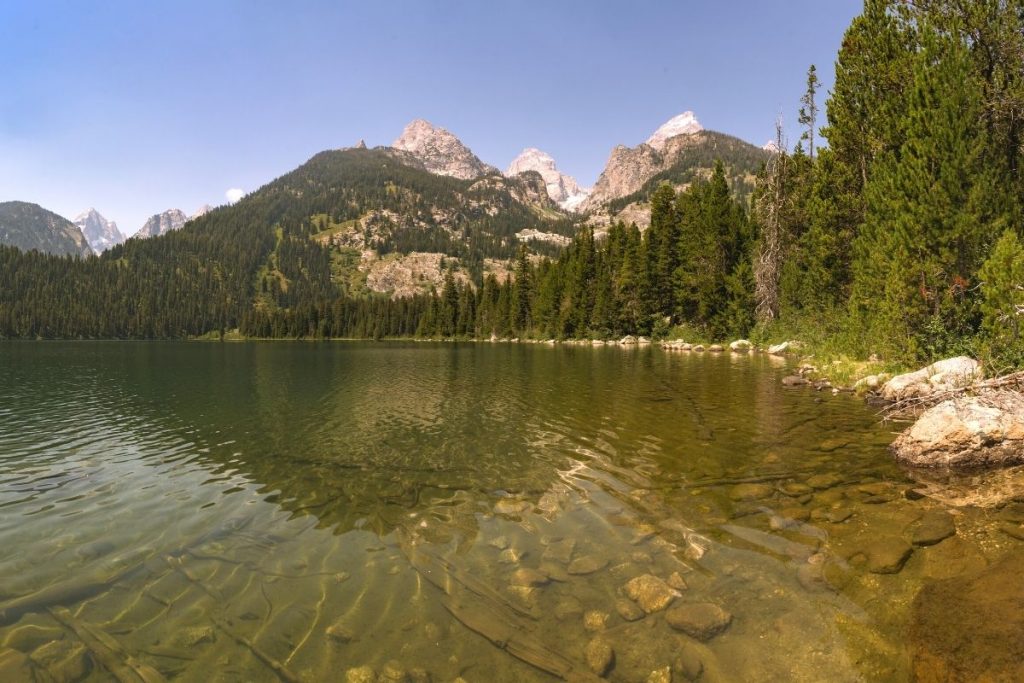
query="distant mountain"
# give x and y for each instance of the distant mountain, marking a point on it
(678, 152)
(163, 223)
(99, 232)
(441, 152)
(563, 189)
(30, 226)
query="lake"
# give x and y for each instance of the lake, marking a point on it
(496, 512)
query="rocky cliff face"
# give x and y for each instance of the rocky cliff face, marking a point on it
(562, 189)
(163, 223)
(441, 152)
(99, 232)
(628, 168)
(31, 227)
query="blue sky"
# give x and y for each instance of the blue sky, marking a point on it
(136, 107)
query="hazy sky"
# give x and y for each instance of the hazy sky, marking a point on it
(134, 107)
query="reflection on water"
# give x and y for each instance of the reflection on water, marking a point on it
(495, 512)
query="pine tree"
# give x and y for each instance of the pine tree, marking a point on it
(809, 110)
(1002, 306)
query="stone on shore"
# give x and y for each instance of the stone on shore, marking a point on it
(943, 375)
(970, 431)
(794, 381)
(715, 348)
(700, 620)
(740, 345)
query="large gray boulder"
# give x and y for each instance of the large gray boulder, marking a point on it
(969, 431)
(943, 375)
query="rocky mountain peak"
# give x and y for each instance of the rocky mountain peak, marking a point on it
(100, 233)
(440, 151)
(163, 223)
(204, 209)
(561, 188)
(683, 124)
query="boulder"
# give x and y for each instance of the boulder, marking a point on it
(970, 431)
(628, 339)
(716, 348)
(697, 347)
(794, 381)
(943, 375)
(740, 345)
(785, 347)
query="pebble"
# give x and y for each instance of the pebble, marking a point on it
(700, 620)
(510, 506)
(588, 564)
(838, 515)
(595, 620)
(568, 607)
(662, 675)
(340, 633)
(675, 580)
(510, 556)
(600, 656)
(823, 481)
(529, 578)
(560, 551)
(935, 527)
(393, 672)
(744, 492)
(688, 663)
(360, 674)
(650, 592)
(795, 489)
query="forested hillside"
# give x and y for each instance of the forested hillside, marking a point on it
(31, 227)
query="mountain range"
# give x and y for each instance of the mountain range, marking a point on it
(396, 218)
(30, 227)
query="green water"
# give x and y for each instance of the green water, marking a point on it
(263, 512)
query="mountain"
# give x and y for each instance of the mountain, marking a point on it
(99, 232)
(201, 211)
(678, 152)
(683, 124)
(163, 223)
(563, 189)
(30, 226)
(440, 152)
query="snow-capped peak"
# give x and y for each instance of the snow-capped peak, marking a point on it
(683, 124)
(770, 146)
(100, 233)
(563, 189)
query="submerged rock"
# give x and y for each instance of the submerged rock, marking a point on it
(886, 555)
(600, 656)
(662, 675)
(529, 578)
(650, 592)
(629, 610)
(970, 431)
(700, 620)
(360, 674)
(971, 628)
(595, 620)
(950, 373)
(744, 492)
(794, 381)
(935, 527)
(588, 564)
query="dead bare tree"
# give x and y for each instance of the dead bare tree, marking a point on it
(769, 210)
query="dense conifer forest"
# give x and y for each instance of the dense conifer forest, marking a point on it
(894, 227)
